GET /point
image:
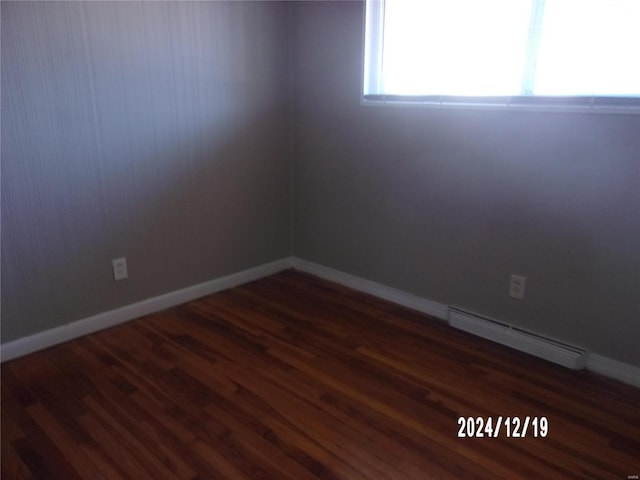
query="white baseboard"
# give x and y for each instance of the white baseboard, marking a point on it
(614, 369)
(414, 302)
(23, 346)
(54, 336)
(595, 363)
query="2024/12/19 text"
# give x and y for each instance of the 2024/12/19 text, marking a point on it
(509, 427)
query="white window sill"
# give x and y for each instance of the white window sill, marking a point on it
(499, 106)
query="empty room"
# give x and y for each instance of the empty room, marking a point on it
(381, 239)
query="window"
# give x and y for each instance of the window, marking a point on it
(568, 54)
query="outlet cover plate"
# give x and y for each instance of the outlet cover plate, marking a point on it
(119, 268)
(516, 286)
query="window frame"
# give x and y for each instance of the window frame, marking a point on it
(372, 28)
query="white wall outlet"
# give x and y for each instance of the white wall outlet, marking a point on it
(516, 287)
(119, 268)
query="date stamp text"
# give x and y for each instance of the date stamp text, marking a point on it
(506, 427)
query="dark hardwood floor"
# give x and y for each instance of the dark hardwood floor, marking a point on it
(292, 377)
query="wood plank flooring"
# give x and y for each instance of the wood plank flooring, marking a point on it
(295, 378)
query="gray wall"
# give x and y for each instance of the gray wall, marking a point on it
(447, 204)
(152, 130)
(161, 132)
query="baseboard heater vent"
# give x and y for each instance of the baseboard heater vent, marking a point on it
(499, 332)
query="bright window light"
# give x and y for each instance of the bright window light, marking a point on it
(585, 51)
(589, 47)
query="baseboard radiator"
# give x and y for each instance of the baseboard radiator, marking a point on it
(499, 332)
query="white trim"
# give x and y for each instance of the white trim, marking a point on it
(595, 363)
(372, 31)
(603, 109)
(614, 369)
(54, 336)
(414, 302)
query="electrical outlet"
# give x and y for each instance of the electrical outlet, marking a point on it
(119, 268)
(516, 287)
